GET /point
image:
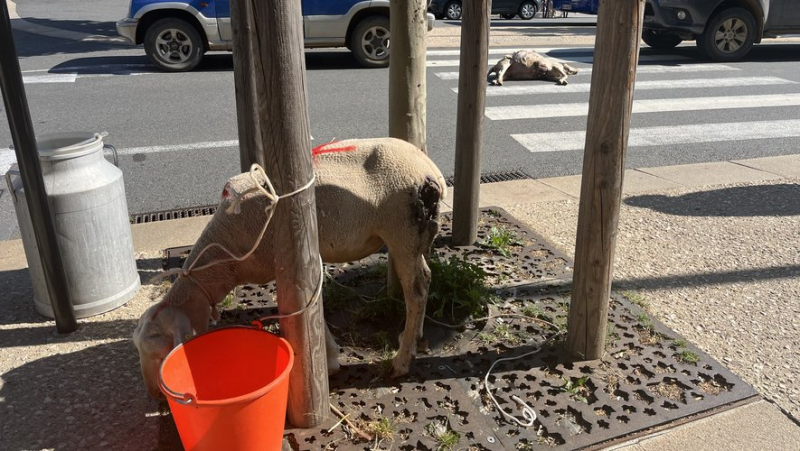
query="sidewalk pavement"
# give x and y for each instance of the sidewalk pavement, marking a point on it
(72, 391)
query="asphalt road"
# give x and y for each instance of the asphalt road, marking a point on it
(177, 132)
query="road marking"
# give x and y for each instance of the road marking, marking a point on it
(544, 50)
(49, 78)
(667, 135)
(551, 88)
(689, 68)
(500, 113)
(7, 158)
(576, 59)
(179, 147)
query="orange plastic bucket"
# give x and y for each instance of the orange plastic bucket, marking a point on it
(227, 389)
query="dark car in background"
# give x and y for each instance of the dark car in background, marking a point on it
(507, 9)
(725, 30)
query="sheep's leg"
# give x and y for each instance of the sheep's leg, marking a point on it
(500, 68)
(557, 75)
(332, 351)
(415, 277)
(569, 69)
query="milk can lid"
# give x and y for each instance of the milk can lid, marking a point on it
(57, 146)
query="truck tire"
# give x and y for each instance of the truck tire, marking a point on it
(660, 40)
(729, 35)
(370, 42)
(173, 45)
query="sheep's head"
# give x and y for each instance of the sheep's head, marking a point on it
(160, 329)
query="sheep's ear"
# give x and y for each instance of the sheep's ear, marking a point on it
(182, 330)
(215, 313)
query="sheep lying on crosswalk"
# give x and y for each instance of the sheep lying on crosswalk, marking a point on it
(369, 193)
(529, 65)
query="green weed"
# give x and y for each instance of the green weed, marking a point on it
(687, 356)
(446, 438)
(458, 289)
(576, 388)
(637, 299)
(501, 239)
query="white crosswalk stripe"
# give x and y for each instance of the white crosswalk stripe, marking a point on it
(551, 88)
(667, 135)
(499, 113)
(49, 78)
(575, 59)
(688, 68)
(7, 158)
(684, 91)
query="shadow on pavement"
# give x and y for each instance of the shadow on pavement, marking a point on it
(78, 26)
(29, 44)
(759, 200)
(89, 399)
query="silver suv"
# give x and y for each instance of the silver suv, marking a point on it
(725, 29)
(176, 34)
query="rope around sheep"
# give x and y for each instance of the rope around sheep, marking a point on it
(236, 208)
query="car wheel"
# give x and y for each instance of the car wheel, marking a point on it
(527, 10)
(508, 16)
(729, 35)
(660, 40)
(173, 45)
(453, 10)
(370, 42)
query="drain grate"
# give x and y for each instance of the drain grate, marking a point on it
(166, 215)
(494, 177)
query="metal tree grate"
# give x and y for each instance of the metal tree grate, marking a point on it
(494, 177)
(166, 215)
(648, 378)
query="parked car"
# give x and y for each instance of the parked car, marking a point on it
(507, 9)
(177, 33)
(577, 6)
(725, 30)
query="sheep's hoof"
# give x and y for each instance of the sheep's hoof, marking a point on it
(399, 369)
(334, 368)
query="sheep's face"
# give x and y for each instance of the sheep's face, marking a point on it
(160, 329)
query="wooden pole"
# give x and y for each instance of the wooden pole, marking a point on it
(251, 148)
(407, 76)
(407, 86)
(285, 133)
(469, 119)
(616, 54)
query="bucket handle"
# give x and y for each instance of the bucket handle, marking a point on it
(10, 184)
(180, 398)
(114, 151)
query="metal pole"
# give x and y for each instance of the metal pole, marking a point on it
(19, 122)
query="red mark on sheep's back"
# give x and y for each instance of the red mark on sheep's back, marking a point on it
(330, 148)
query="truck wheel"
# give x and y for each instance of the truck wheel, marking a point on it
(660, 40)
(173, 45)
(453, 10)
(729, 35)
(370, 42)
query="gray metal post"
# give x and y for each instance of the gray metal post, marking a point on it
(19, 121)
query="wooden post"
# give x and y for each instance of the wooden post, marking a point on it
(469, 120)
(285, 133)
(616, 54)
(407, 86)
(407, 76)
(251, 148)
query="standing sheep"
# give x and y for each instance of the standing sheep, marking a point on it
(369, 193)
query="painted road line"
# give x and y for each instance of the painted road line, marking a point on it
(577, 59)
(509, 51)
(178, 147)
(689, 68)
(552, 88)
(7, 158)
(667, 135)
(49, 78)
(510, 112)
(181, 147)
